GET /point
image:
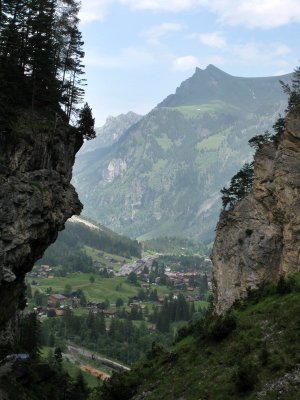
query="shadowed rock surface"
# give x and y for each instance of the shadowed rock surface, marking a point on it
(36, 198)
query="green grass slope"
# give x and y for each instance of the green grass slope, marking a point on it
(251, 353)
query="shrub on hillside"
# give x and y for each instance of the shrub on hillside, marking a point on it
(222, 327)
(285, 285)
(245, 377)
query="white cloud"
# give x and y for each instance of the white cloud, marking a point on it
(212, 39)
(162, 5)
(155, 33)
(263, 14)
(257, 13)
(94, 10)
(185, 63)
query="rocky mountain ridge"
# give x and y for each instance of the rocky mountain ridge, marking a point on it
(258, 240)
(111, 131)
(36, 199)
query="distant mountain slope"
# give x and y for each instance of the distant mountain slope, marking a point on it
(111, 131)
(164, 175)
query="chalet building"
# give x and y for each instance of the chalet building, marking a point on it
(135, 304)
(108, 313)
(53, 299)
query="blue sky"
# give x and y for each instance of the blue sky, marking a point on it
(139, 51)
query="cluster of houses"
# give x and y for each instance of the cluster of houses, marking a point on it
(137, 266)
(182, 279)
(44, 271)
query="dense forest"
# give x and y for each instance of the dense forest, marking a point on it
(41, 66)
(127, 336)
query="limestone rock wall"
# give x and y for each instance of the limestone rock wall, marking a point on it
(259, 240)
(36, 198)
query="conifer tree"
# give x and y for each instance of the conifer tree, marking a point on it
(40, 59)
(30, 334)
(86, 123)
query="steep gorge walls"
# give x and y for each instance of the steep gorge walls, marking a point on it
(36, 198)
(259, 239)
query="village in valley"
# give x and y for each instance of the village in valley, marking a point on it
(151, 283)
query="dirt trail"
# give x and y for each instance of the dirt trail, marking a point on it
(95, 372)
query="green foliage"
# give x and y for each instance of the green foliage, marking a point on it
(184, 263)
(222, 327)
(120, 338)
(240, 186)
(58, 356)
(246, 376)
(132, 278)
(30, 334)
(86, 123)
(293, 91)
(174, 245)
(173, 309)
(285, 285)
(253, 349)
(68, 250)
(257, 142)
(118, 387)
(40, 59)
(41, 380)
(119, 302)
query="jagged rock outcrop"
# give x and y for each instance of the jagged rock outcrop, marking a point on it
(259, 240)
(36, 198)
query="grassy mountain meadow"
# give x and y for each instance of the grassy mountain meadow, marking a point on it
(163, 176)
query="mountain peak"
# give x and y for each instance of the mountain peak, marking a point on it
(212, 84)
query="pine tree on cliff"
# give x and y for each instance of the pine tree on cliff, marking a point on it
(293, 91)
(86, 123)
(240, 185)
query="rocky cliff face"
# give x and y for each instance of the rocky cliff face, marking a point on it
(259, 240)
(36, 199)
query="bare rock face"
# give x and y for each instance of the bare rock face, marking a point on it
(259, 240)
(36, 199)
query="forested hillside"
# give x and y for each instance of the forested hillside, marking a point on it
(69, 249)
